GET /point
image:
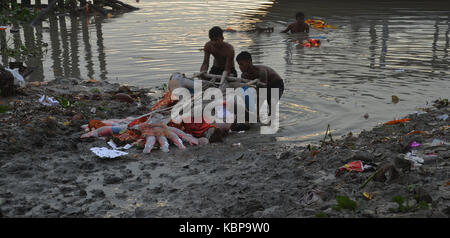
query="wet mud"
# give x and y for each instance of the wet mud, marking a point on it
(46, 170)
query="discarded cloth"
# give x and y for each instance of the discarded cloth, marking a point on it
(18, 79)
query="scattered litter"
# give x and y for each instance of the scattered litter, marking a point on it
(318, 24)
(399, 70)
(240, 132)
(369, 196)
(430, 158)
(420, 112)
(37, 84)
(356, 166)
(311, 43)
(366, 116)
(104, 152)
(413, 144)
(319, 37)
(90, 81)
(395, 99)
(18, 79)
(415, 132)
(93, 110)
(114, 146)
(310, 198)
(412, 156)
(48, 101)
(443, 117)
(237, 144)
(437, 142)
(229, 29)
(393, 122)
(313, 153)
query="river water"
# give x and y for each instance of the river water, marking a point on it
(378, 49)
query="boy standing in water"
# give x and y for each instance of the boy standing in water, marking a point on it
(223, 54)
(299, 25)
(264, 73)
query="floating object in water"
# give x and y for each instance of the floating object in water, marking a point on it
(395, 99)
(229, 29)
(311, 43)
(318, 24)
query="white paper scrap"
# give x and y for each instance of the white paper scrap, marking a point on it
(107, 153)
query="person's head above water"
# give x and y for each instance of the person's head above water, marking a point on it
(300, 16)
(244, 60)
(215, 33)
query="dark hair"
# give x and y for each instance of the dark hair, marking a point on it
(215, 32)
(244, 55)
(299, 14)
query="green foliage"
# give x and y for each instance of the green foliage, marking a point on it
(311, 147)
(20, 52)
(94, 90)
(322, 215)
(164, 87)
(3, 108)
(344, 203)
(65, 103)
(405, 207)
(17, 15)
(423, 205)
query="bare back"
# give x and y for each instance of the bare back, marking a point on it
(223, 56)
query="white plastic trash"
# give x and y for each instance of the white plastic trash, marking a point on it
(411, 156)
(48, 101)
(114, 146)
(443, 117)
(104, 152)
(18, 79)
(437, 142)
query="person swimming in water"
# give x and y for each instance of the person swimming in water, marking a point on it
(299, 25)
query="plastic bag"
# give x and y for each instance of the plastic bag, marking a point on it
(18, 79)
(48, 101)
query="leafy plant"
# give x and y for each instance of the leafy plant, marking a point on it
(344, 203)
(3, 108)
(17, 15)
(322, 215)
(403, 206)
(94, 90)
(65, 103)
(164, 87)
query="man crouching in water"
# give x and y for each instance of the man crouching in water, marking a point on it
(223, 54)
(265, 74)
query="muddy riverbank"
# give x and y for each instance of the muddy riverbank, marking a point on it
(46, 170)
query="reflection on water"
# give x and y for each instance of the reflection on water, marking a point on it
(379, 49)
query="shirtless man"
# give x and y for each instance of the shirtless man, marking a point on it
(223, 54)
(299, 25)
(264, 73)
